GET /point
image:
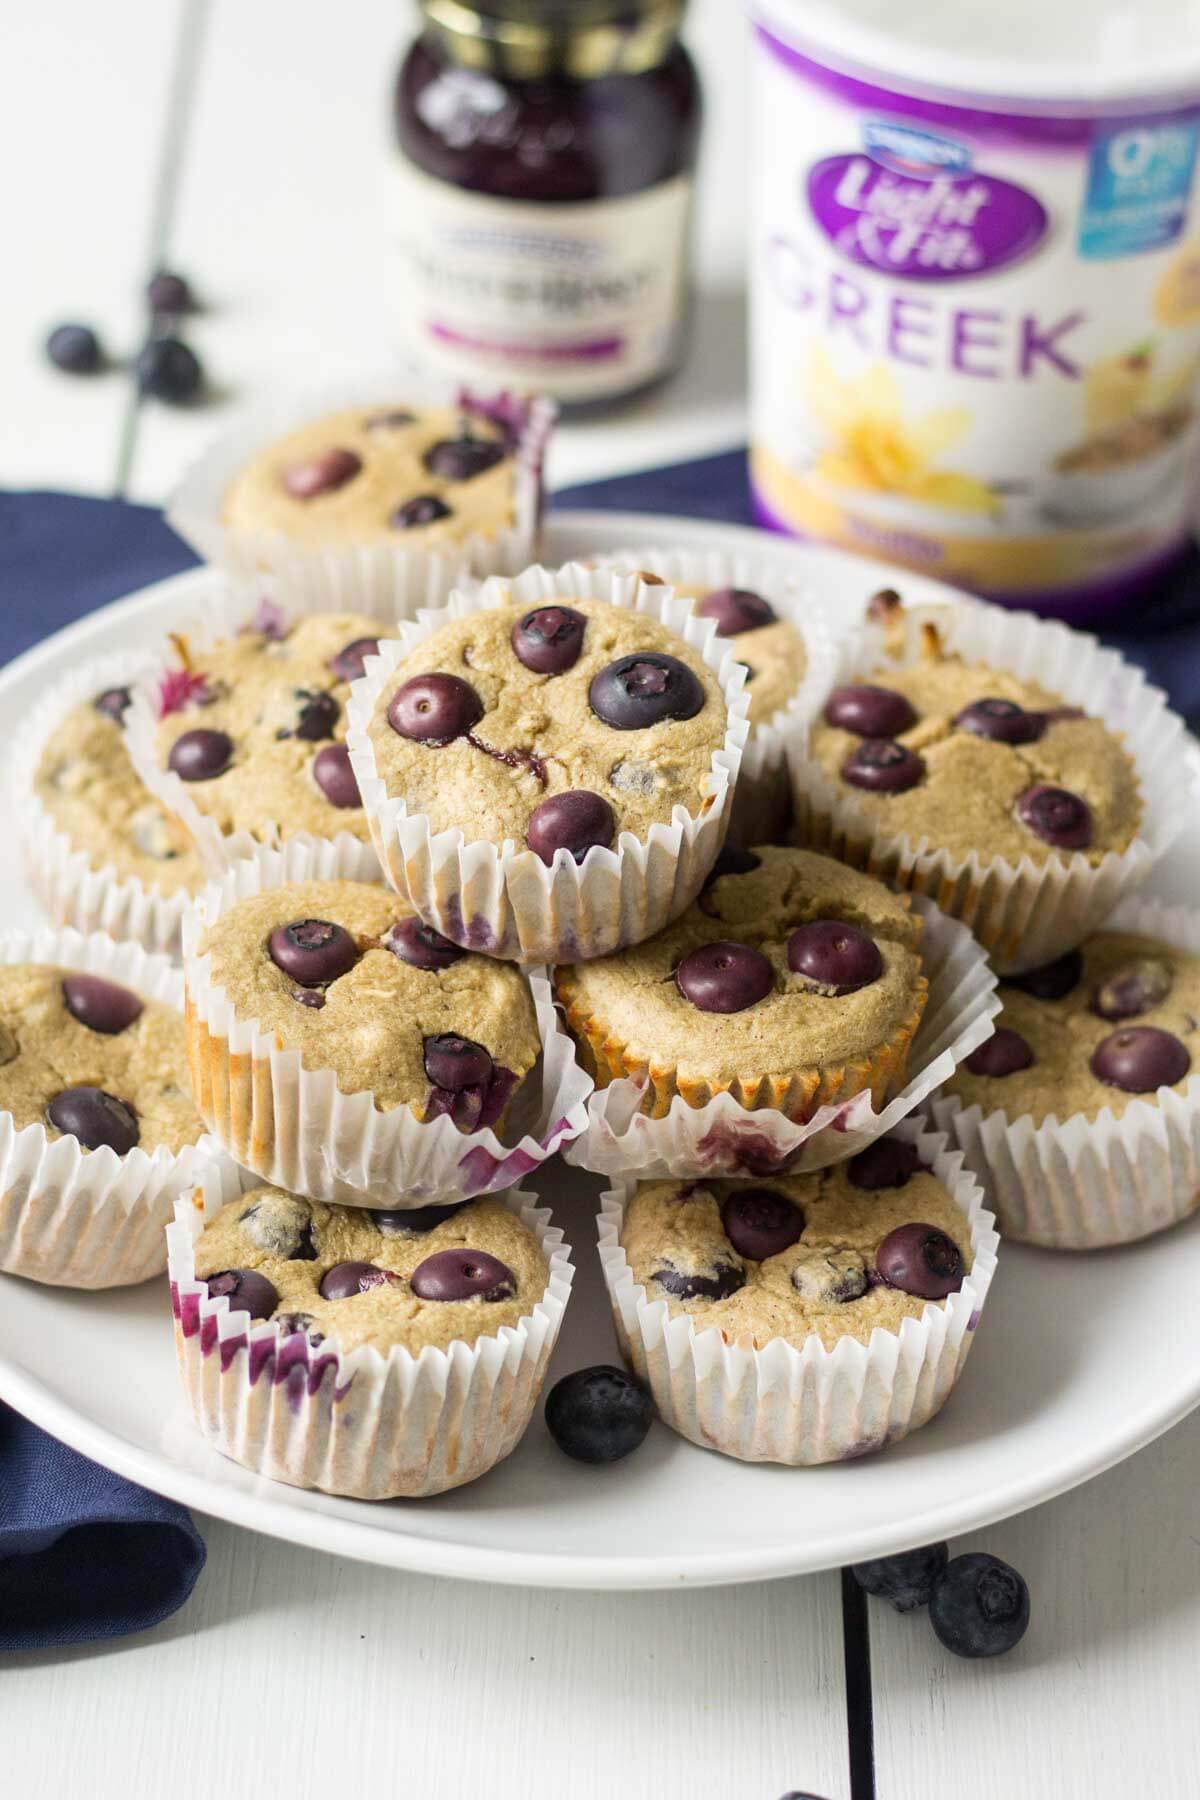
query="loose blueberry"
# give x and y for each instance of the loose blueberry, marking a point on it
(434, 709)
(724, 977)
(114, 703)
(576, 821)
(100, 1005)
(732, 859)
(346, 1279)
(1140, 1058)
(393, 420)
(419, 944)
(350, 662)
(644, 689)
(322, 474)
(1136, 987)
(461, 459)
(334, 775)
(281, 1225)
(1002, 720)
(1006, 1052)
(463, 1274)
(75, 349)
(736, 610)
(883, 767)
(723, 1281)
(455, 1063)
(416, 1220)
(167, 369)
(834, 957)
(920, 1260)
(95, 1117)
(422, 509)
(1057, 816)
(889, 1162)
(598, 1415)
(869, 712)
(1053, 981)
(905, 1581)
(201, 755)
(760, 1222)
(319, 713)
(168, 292)
(549, 639)
(979, 1606)
(246, 1289)
(312, 951)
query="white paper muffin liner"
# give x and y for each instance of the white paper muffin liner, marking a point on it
(227, 612)
(503, 900)
(1082, 1184)
(80, 1218)
(358, 1423)
(725, 1138)
(295, 1128)
(1028, 913)
(812, 1405)
(762, 798)
(71, 887)
(379, 578)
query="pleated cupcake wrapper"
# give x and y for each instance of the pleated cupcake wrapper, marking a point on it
(761, 800)
(295, 1128)
(359, 1423)
(1026, 913)
(70, 886)
(503, 900)
(725, 1138)
(90, 1218)
(809, 1405)
(385, 579)
(1081, 1184)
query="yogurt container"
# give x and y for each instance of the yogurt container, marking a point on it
(976, 301)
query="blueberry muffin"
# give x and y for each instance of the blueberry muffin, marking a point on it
(1114, 1021)
(554, 729)
(339, 972)
(435, 1275)
(968, 760)
(87, 785)
(791, 982)
(840, 1253)
(255, 726)
(92, 1060)
(391, 474)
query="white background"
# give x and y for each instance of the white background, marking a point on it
(247, 141)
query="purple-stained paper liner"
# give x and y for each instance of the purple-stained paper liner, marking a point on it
(358, 1423)
(724, 1138)
(812, 1405)
(502, 899)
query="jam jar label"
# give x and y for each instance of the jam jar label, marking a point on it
(976, 334)
(583, 300)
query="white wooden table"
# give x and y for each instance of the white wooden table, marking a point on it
(246, 142)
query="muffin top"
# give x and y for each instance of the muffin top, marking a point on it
(339, 971)
(89, 787)
(1106, 1024)
(771, 648)
(838, 1253)
(788, 961)
(972, 759)
(413, 477)
(430, 1276)
(92, 1060)
(555, 727)
(256, 726)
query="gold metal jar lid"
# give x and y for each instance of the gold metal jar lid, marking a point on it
(582, 39)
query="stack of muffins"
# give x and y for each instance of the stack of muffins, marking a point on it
(442, 840)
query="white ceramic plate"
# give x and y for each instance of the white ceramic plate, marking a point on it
(1080, 1360)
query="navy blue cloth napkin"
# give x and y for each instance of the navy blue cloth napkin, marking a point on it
(85, 1555)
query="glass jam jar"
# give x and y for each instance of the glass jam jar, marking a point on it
(548, 156)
